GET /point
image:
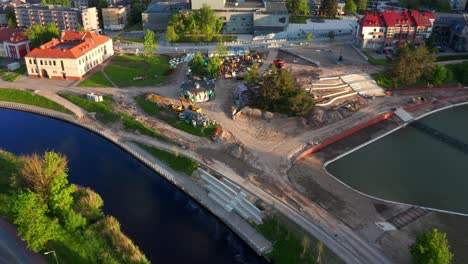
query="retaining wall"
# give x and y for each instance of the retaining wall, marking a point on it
(243, 234)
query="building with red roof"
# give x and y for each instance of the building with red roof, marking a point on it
(70, 57)
(391, 28)
(13, 43)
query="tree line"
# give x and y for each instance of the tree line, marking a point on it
(50, 213)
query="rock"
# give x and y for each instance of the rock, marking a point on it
(268, 115)
(256, 113)
(236, 151)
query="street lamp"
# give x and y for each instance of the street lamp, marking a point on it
(53, 252)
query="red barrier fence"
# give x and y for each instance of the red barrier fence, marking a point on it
(372, 122)
(427, 90)
(344, 134)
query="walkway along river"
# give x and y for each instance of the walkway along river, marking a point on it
(410, 166)
(164, 222)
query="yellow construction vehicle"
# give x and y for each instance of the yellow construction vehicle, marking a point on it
(164, 102)
(192, 106)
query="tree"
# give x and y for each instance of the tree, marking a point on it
(135, 13)
(439, 74)
(331, 36)
(39, 34)
(197, 65)
(196, 25)
(30, 217)
(350, 6)
(298, 7)
(361, 4)
(171, 35)
(221, 49)
(431, 247)
(149, 42)
(411, 63)
(88, 203)
(319, 252)
(278, 94)
(11, 18)
(430, 43)
(80, 28)
(309, 37)
(252, 75)
(329, 8)
(213, 66)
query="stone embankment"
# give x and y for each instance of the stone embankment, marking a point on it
(241, 227)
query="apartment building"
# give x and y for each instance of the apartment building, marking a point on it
(391, 28)
(70, 57)
(114, 17)
(79, 3)
(63, 17)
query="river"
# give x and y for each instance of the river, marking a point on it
(412, 167)
(167, 225)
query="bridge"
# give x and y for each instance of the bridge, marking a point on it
(441, 136)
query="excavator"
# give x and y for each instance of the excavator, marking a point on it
(191, 107)
(164, 102)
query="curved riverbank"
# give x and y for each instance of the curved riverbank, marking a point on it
(240, 227)
(375, 197)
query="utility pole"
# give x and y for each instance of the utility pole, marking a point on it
(53, 252)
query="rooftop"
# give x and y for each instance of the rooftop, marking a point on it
(11, 35)
(71, 44)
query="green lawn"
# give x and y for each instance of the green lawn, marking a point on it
(378, 62)
(151, 109)
(131, 124)
(97, 79)
(27, 97)
(298, 19)
(452, 57)
(135, 27)
(175, 161)
(288, 243)
(103, 110)
(123, 69)
(11, 76)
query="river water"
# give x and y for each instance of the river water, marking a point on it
(412, 167)
(167, 225)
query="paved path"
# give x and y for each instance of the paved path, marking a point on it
(12, 249)
(64, 102)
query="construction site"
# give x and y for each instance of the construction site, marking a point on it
(284, 155)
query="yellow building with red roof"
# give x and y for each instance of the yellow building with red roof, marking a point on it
(70, 57)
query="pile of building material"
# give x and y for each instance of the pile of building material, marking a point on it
(231, 198)
(174, 62)
(238, 66)
(94, 97)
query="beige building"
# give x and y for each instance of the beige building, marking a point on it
(63, 17)
(114, 17)
(70, 57)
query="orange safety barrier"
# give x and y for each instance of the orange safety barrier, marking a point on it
(344, 134)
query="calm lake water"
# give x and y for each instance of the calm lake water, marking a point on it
(167, 225)
(412, 167)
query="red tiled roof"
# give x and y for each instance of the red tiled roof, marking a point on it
(394, 18)
(11, 35)
(372, 20)
(420, 19)
(71, 45)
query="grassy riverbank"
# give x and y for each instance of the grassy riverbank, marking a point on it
(29, 98)
(174, 160)
(103, 109)
(292, 245)
(52, 214)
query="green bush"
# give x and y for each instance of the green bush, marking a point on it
(385, 79)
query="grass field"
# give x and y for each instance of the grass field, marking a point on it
(151, 109)
(11, 76)
(175, 161)
(298, 19)
(131, 124)
(452, 57)
(97, 79)
(291, 245)
(103, 109)
(123, 69)
(378, 62)
(27, 97)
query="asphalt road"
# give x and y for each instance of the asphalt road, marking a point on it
(11, 252)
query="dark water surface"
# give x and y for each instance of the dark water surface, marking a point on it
(412, 167)
(166, 224)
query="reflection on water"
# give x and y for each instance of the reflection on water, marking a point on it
(412, 167)
(165, 223)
